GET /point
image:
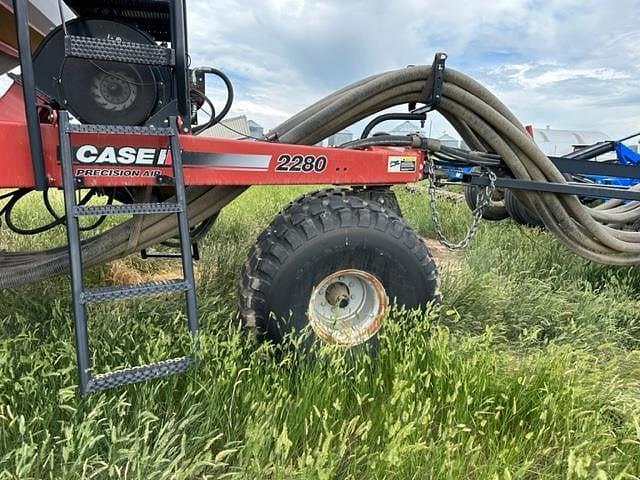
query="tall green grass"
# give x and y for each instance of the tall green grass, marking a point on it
(529, 369)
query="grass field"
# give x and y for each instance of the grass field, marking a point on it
(529, 369)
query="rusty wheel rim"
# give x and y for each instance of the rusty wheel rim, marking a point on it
(347, 308)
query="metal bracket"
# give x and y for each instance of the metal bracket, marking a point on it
(582, 190)
(432, 92)
(165, 180)
(146, 254)
(583, 167)
(197, 82)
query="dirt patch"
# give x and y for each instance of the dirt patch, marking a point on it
(122, 272)
(444, 256)
(440, 191)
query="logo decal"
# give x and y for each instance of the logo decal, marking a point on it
(401, 164)
(112, 172)
(136, 156)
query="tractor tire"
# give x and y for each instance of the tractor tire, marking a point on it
(495, 211)
(382, 195)
(335, 262)
(519, 213)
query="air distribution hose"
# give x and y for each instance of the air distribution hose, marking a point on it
(481, 119)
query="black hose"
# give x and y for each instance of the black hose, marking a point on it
(391, 116)
(227, 106)
(415, 141)
(381, 141)
(58, 219)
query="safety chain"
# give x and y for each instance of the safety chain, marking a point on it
(483, 200)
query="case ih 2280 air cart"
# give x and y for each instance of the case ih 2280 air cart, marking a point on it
(107, 106)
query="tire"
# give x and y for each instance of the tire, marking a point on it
(495, 211)
(379, 194)
(314, 240)
(382, 195)
(519, 213)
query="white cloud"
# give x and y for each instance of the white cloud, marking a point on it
(567, 63)
(529, 76)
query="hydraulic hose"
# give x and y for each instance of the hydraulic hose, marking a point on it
(479, 117)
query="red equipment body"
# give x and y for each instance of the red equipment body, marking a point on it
(104, 160)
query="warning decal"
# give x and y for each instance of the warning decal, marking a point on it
(402, 164)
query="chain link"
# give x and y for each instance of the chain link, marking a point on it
(483, 200)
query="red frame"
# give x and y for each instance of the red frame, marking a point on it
(225, 162)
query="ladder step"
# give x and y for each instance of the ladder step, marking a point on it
(108, 50)
(128, 209)
(128, 376)
(120, 130)
(106, 294)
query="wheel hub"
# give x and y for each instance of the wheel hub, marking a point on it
(337, 295)
(497, 198)
(347, 308)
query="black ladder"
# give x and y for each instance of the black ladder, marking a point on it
(82, 296)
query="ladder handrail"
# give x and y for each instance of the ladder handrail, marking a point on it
(75, 253)
(21, 14)
(177, 13)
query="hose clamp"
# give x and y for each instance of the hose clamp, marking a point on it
(432, 92)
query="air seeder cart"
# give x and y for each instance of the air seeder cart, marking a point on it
(107, 106)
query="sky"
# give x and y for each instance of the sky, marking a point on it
(563, 63)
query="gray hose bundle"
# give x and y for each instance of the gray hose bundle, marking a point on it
(480, 118)
(485, 124)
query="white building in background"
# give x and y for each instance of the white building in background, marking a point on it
(339, 138)
(449, 141)
(560, 142)
(230, 127)
(407, 128)
(410, 128)
(235, 127)
(256, 129)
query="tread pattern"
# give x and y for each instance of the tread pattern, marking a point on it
(303, 219)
